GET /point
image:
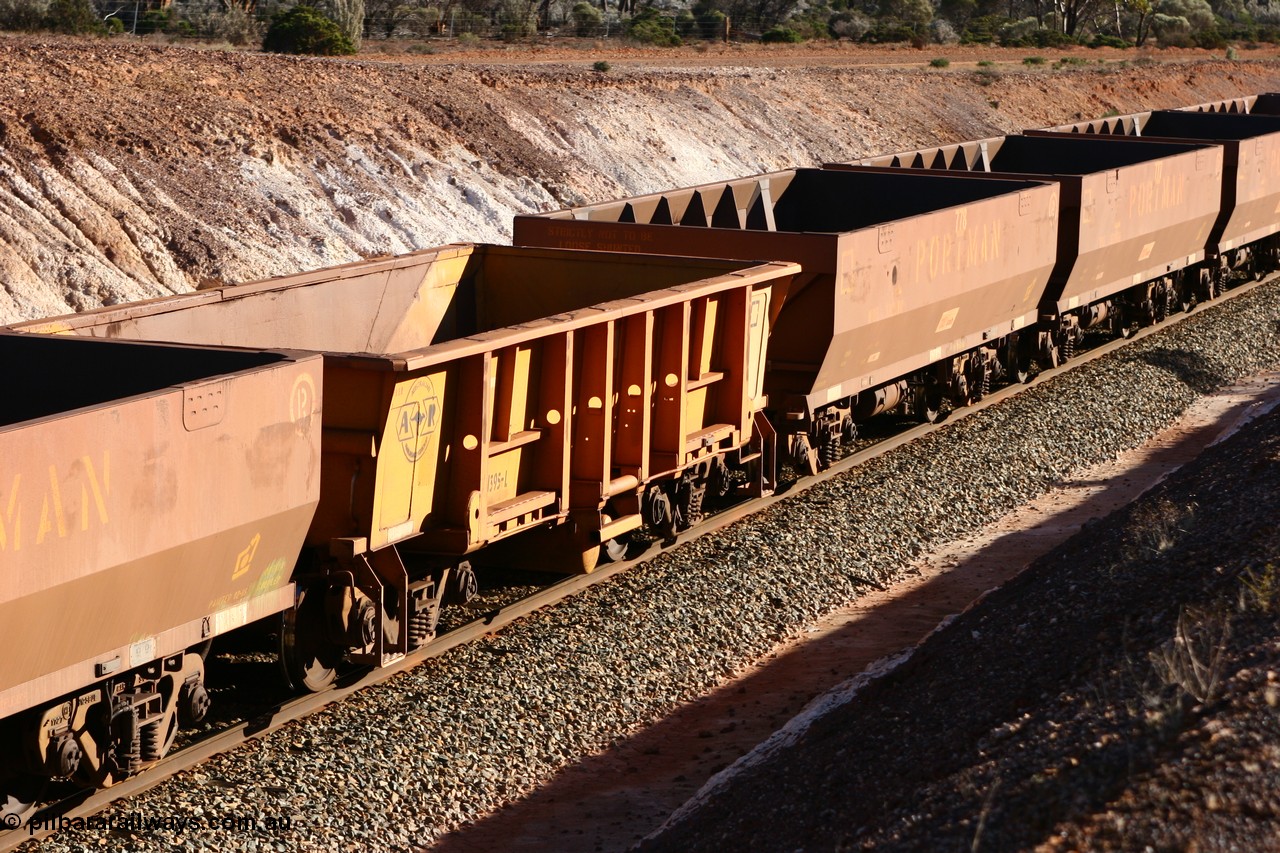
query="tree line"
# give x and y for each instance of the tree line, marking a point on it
(342, 26)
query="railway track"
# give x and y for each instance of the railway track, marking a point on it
(269, 719)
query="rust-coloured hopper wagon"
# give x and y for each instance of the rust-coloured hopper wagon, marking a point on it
(151, 498)
(1229, 105)
(914, 286)
(1134, 223)
(477, 393)
(1266, 104)
(1242, 237)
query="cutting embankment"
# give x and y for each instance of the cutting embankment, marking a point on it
(130, 170)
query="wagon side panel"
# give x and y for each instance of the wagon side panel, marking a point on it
(134, 530)
(936, 285)
(1142, 221)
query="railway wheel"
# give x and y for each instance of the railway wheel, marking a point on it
(1050, 356)
(658, 512)
(848, 432)
(1123, 325)
(571, 547)
(193, 704)
(1202, 287)
(616, 550)
(583, 547)
(1019, 362)
(20, 793)
(801, 451)
(930, 405)
(308, 658)
(463, 585)
(719, 479)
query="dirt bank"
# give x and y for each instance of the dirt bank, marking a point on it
(130, 170)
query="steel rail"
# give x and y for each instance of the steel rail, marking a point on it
(271, 719)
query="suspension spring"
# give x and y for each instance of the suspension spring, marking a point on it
(151, 742)
(829, 450)
(422, 627)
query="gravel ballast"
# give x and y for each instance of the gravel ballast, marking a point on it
(397, 766)
(1120, 694)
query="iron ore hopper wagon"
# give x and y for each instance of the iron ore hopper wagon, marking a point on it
(152, 498)
(916, 288)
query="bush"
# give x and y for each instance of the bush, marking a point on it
(850, 25)
(1182, 23)
(75, 17)
(211, 23)
(814, 24)
(1034, 60)
(153, 21)
(519, 20)
(941, 32)
(518, 29)
(940, 62)
(23, 14)
(686, 24)
(781, 35)
(586, 19)
(1198, 13)
(1209, 39)
(416, 24)
(703, 21)
(711, 24)
(601, 66)
(883, 33)
(1171, 30)
(1029, 33)
(985, 29)
(303, 29)
(1018, 33)
(1101, 40)
(1049, 37)
(649, 26)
